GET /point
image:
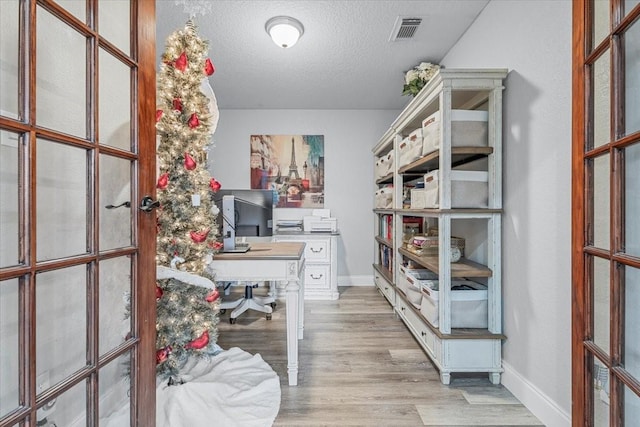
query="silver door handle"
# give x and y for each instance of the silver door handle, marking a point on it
(147, 204)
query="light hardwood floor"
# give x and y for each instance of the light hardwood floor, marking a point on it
(359, 366)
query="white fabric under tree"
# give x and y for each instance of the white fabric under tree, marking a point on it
(232, 388)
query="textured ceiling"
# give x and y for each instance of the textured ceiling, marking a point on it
(344, 60)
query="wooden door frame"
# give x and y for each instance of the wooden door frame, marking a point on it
(578, 295)
(145, 363)
(143, 370)
(583, 249)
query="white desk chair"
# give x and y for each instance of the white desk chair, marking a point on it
(265, 304)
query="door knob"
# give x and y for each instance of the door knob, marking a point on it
(147, 204)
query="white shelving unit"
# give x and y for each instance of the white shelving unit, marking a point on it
(451, 349)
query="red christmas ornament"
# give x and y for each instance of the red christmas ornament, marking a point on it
(213, 295)
(158, 115)
(194, 122)
(214, 184)
(216, 245)
(163, 181)
(208, 67)
(177, 104)
(163, 354)
(181, 62)
(189, 163)
(199, 237)
(159, 292)
(198, 343)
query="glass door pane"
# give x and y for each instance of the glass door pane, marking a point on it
(631, 407)
(115, 102)
(601, 100)
(9, 208)
(115, 296)
(630, 4)
(115, 21)
(9, 330)
(70, 409)
(115, 392)
(8, 58)
(61, 322)
(600, 10)
(601, 303)
(61, 76)
(632, 321)
(77, 8)
(61, 191)
(632, 78)
(115, 203)
(632, 199)
(600, 197)
(600, 394)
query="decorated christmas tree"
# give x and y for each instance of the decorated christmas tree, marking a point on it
(187, 300)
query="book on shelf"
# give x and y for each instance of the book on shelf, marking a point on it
(386, 227)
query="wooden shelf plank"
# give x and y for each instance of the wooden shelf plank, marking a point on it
(384, 241)
(459, 156)
(384, 273)
(462, 211)
(462, 268)
(387, 179)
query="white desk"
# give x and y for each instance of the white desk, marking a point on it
(281, 262)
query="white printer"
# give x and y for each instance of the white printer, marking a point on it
(320, 221)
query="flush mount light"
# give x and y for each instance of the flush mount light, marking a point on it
(284, 30)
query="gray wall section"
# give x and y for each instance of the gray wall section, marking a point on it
(349, 136)
(534, 43)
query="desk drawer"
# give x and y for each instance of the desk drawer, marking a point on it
(317, 250)
(317, 277)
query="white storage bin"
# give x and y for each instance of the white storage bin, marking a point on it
(384, 198)
(469, 189)
(415, 280)
(382, 167)
(468, 306)
(410, 148)
(410, 277)
(418, 198)
(468, 129)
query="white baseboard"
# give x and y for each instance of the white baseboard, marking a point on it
(547, 411)
(364, 280)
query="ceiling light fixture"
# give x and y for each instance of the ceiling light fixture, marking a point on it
(284, 30)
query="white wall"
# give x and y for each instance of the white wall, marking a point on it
(534, 43)
(349, 136)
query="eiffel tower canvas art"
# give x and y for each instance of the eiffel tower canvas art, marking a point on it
(292, 166)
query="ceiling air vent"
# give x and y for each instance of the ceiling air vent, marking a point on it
(404, 28)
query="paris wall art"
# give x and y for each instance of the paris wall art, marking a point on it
(292, 166)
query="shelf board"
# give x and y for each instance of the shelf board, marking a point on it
(456, 333)
(418, 212)
(459, 156)
(384, 273)
(384, 241)
(387, 179)
(462, 268)
(383, 211)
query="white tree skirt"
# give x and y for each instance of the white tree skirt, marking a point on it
(233, 388)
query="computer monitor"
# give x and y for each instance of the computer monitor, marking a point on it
(244, 213)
